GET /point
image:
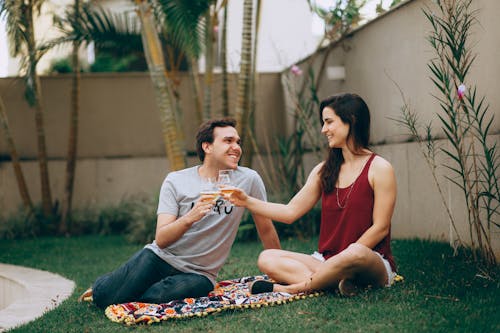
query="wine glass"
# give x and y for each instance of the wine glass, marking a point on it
(223, 182)
(209, 188)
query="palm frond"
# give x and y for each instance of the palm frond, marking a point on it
(182, 22)
(13, 11)
(114, 32)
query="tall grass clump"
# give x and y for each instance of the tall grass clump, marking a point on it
(464, 116)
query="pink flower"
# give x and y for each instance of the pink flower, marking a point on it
(296, 70)
(461, 91)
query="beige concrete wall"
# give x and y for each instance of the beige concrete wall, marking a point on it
(118, 115)
(420, 211)
(394, 48)
(98, 181)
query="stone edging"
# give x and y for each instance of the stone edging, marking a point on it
(43, 291)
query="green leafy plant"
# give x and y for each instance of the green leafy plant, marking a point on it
(341, 17)
(380, 9)
(105, 62)
(61, 66)
(473, 162)
(134, 217)
(142, 226)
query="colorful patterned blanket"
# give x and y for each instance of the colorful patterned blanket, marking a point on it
(228, 294)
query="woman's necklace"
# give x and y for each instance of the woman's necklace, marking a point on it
(341, 206)
(346, 197)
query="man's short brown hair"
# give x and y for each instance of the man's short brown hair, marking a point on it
(206, 133)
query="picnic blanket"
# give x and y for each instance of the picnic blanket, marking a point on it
(227, 295)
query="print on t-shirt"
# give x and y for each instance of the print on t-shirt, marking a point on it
(220, 207)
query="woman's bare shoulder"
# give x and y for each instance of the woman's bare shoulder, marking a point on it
(318, 166)
(317, 169)
(381, 167)
(314, 175)
(382, 163)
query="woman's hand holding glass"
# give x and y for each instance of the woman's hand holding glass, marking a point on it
(224, 184)
(235, 195)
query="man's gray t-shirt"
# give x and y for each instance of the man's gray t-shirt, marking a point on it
(204, 248)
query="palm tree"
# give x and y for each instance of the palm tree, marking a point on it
(73, 129)
(21, 34)
(183, 24)
(250, 145)
(178, 23)
(112, 33)
(162, 85)
(83, 24)
(194, 75)
(225, 89)
(16, 164)
(209, 64)
(242, 113)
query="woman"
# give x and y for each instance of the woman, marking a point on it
(358, 193)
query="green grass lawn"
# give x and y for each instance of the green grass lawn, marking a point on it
(441, 292)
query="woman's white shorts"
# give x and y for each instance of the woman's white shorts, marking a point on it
(390, 274)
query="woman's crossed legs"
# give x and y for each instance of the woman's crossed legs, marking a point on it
(298, 272)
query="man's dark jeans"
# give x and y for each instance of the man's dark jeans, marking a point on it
(147, 278)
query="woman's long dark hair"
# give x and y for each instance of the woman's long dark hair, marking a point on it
(353, 111)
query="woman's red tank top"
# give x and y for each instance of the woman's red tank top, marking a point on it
(341, 227)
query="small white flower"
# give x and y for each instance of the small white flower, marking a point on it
(461, 91)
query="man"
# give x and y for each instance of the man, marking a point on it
(193, 235)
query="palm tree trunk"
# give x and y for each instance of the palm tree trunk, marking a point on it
(250, 146)
(173, 76)
(254, 76)
(242, 113)
(225, 89)
(162, 86)
(179, 117)
(193, 70)
(209, 66)
(16, 164)
(73, 137)
(36, 93)
(42, 154)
